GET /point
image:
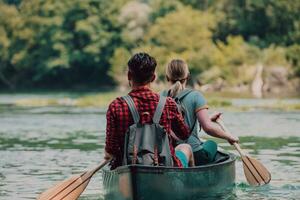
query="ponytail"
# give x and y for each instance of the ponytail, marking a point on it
(177, 72)
(175, 89)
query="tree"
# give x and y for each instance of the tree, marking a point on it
(15, 38)
(293, 56)
(119, 66)
(134, 17)
(261, 22)
(62, 42)
(185, 34)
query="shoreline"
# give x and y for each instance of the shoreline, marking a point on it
(102, 100)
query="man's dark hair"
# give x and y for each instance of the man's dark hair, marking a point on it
(142, 67)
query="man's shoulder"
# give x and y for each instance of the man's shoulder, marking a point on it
(116, 103)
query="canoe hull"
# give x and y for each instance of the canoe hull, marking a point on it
(135, 182)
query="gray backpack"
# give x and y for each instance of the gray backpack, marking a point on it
(178, 99)
(181, 108)
(147, 144)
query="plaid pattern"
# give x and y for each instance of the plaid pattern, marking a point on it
(119, 119)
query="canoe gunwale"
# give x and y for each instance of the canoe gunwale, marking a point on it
(163, 169)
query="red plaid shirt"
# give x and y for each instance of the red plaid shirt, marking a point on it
(119, 119)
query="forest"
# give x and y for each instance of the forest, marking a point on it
(71, 44)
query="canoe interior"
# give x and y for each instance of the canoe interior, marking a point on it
(136, 182)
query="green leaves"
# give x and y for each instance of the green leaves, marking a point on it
(293, 57)
(75, 43)
(43, 36)
(186, 34)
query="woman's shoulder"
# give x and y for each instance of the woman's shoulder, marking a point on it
(196, 100)
(195, 94)
(188, 94)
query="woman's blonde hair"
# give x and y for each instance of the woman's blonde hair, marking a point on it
(177, 71)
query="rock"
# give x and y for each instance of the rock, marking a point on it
(276, 81)
(257, 84)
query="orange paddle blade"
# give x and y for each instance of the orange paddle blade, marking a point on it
(71, 188)
(256, 174)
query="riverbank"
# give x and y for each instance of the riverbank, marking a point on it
(102, 100)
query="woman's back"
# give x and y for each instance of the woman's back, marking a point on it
(177, 73)
(192, 103)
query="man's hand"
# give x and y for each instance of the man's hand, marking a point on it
(215, 116)
(107, 156)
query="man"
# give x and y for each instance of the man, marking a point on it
(141, 72)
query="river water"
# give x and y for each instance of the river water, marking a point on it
(42, 145)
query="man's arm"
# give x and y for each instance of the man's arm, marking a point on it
(111, 143)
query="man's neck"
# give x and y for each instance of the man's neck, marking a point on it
(138, 86)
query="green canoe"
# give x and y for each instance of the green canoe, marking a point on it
(136, 182)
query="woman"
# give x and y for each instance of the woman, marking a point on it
(196, 111)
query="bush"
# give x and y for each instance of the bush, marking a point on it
(293, 56)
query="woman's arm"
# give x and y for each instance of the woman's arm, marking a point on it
(212, 129)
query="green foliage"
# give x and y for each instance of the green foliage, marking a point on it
(235, 52)
(186, 34)
(261, 22)
(274, 55)
(15, 39)
(232, 61)
(119, 66)
(199, 4)
(57, 40)
(134, 17)
(160, 8)
(75, 43)
(293, 56)
(219, 103)
(16, 2)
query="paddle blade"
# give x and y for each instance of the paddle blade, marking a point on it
(256, 174)
(69, 189)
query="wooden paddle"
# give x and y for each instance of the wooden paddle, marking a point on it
(256, 174)
(71, 188)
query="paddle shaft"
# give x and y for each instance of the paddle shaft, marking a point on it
(236, 145)
(102, 164)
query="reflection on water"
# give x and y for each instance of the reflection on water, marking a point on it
(39, 146)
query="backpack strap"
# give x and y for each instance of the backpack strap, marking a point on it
(182, 94)
(164, 93)
(180, 97)
(191, 130)
(132, 108)
(159, 109)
